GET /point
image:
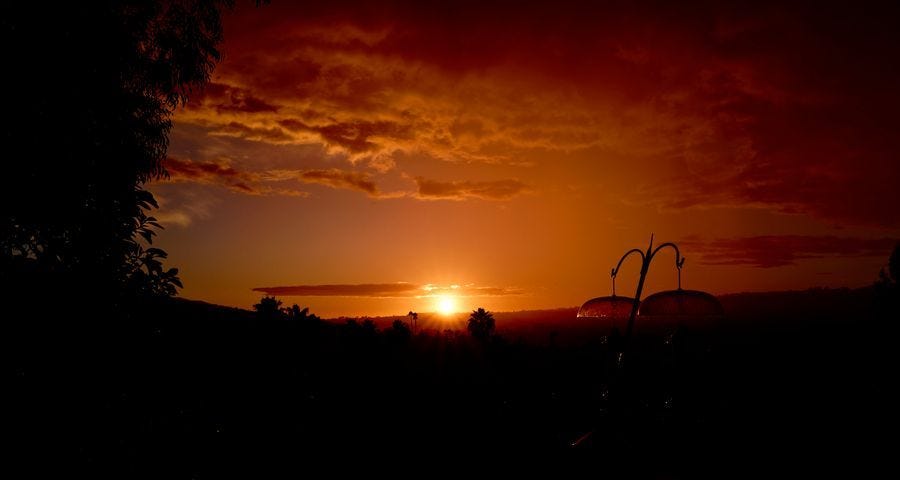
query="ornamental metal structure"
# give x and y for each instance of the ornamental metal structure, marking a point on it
(668, 304)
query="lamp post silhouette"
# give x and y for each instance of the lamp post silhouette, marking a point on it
(646, 258)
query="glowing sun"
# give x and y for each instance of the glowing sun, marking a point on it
(446, 305)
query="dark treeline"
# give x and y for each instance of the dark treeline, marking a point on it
(193, 388)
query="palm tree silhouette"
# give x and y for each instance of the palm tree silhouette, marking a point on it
(413, 319)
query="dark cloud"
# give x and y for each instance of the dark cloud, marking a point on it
(462, 190)
(337, 178)
(786, 107)
(361, 290)
(386, 290)
(779, 250)
(354, 135)
(266, 182)
(227, 98)
(262, 134)
(213, 173)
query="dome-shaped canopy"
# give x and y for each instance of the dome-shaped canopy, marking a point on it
(613, 307)
(681, 303)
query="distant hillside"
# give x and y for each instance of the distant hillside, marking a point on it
(745, 312)
(781, 309)
(814, 302)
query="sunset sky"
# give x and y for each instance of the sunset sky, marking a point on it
(375, 157)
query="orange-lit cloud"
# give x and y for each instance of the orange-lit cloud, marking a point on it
(530, 143)
(337, 178)
(461, 190)
(225, 98)
(386, 290)
(768, 251)
(732, 107)
(255, 183)
(224, 175)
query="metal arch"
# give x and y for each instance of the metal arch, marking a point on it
(678, 258)
(646, 258)
(615, 271)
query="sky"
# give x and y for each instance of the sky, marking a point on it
(372, 158)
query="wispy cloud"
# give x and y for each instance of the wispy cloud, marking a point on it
(271, 182)
(224, 175)
(779, 250)
(337, 178)
(387, 290)
(462, 190)
(268, 182)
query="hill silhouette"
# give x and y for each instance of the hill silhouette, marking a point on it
(187, 386)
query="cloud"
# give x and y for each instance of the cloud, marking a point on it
(227, 98)
(337, 178)
(261, 182)
(784, 109)
(224, 175)
(271, 182)
(462, 190)
(769, 251)
(258, 133)
(181, 207)
(354, 136)
(386, 290)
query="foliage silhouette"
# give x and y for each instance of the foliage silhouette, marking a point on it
(268, 308)
(893, 266)
(413, 320)
(294, 312)
(399, 331)
(481, 324)
(92, 90)
(887, 287)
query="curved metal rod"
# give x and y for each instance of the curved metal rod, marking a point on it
(633, 250)
(678, 261)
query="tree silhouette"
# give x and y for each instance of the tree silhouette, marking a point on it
(887, 288)
(399, 331)
(91, 90)
(481, 324)
(268, 308)
(413, 319)
(294, 312)
(894, 264)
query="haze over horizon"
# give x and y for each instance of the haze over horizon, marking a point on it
(505, 156)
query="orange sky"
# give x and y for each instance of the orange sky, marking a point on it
(517, 151)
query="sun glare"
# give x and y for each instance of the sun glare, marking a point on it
(446, 305)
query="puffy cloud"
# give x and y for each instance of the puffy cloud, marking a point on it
(779, 250)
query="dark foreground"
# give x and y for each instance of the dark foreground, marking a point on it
(183, 389)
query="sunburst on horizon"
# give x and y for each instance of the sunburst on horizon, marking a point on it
(446, 305)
